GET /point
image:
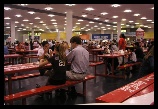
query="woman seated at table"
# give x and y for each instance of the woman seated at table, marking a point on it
(112, 48)
(147, 66)
(57, 74)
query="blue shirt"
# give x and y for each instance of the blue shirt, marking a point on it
(6, 50)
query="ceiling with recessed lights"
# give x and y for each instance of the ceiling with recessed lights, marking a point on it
(86, 17)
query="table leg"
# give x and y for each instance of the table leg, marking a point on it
(93, 55)
(112, 66)
(105, 66)
(10, 84)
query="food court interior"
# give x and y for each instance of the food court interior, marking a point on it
(94, 23)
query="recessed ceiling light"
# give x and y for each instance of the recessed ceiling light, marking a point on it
(114, 26)
(31, 12)
(51, 15)
(102, 27)
(25, 20)
(91, 22)
(7, 23)
(109, 28)
(18, 15)
(145, 26)
(128, 10)
(18, 30)
(152, 8)
(108, 25)
(136, 14)
(95, 26)
(106, 20)
(7, 18)
(149, 27)
(122, 24)
(127, 25)
(53, 20)
(70, 4)
(24, 29)
(115, 17)
(48, 8)
(7, 8)
(103, 13)
(37, 18)
(115, 5)
(141, 25)
(30, 23)
(16, 22)
(89, 9)
(77, 23)
(152, 22)
(143, 18)
(130, 21)
(114, 22)
(149, 20)
(87, 25)
(100, 23)
(80, 20)
(96, 18)
(123, 19)
(43, 24)
(22, 24)
(84, 15)
(136, 23)
(54, 23)
(7, 27)
(23, 4)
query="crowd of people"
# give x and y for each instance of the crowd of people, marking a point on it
(60, 55)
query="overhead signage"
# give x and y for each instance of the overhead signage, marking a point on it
(101, 36)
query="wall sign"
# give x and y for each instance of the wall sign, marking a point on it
(101, 36)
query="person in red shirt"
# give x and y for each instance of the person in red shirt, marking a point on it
(122, 42)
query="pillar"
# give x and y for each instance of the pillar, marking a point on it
(12, 32)
(118, 30)
(68, 26)
(32, 34)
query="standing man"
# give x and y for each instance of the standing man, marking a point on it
(122, 42)
(79, 58)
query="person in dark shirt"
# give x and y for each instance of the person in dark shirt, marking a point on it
(57, 75)
(147, 66)
(139, 52)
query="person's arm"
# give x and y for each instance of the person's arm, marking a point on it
(70, 56)
(43, 62)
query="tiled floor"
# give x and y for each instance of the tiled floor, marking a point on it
(95, 88)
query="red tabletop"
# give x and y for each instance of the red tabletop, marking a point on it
(111, 55)
(11, 69)
(12, 56)
(121, 94)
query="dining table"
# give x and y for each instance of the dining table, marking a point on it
(12, 57)
(112, 56)
(95, 53)
(10, 70)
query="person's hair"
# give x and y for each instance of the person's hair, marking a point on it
(137, 44)
(150, 53)
(123, 36)
(44, 43)
(66, 45)
(61, 51)
(76, 39)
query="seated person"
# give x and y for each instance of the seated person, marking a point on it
(57, 74)
(6, 50)
(139, 52)
(147, 66)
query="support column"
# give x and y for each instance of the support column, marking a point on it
(12, 32)
(102, 31)
(112, 36)
(32, 34)
(58, 35)
(68, 26)
(118, 30)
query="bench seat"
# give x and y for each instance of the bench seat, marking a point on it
(28, 93)
(128, 65)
